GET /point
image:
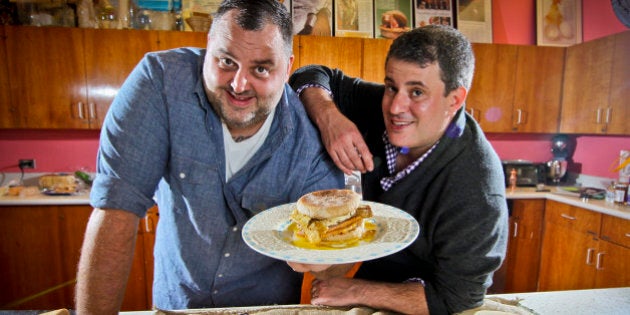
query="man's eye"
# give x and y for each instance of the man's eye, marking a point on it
(226, 62)
(261, 71)
(416, 93)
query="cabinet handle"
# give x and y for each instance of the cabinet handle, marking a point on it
(472, 112)
(599, 115)
(515, 233)
(608, 114)
(566, 216)
(148, 224)
(589, 255)
(519, 116)
(80, 110)
(598, 266)
(92, 110)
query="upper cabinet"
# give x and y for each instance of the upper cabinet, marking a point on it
(66, 78)
(596, 87)
(516, 88)
(374, 59)
(492, 91)
(47, 78)
(538, 88)
(5, 97)
(110, 56)
(334, 52)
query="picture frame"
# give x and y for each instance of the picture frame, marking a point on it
(474, 19)
(354, 18)
(312, 17)
(392, 18)
(433, 12)
(558, 23)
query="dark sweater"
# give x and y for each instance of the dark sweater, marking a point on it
(457, 195)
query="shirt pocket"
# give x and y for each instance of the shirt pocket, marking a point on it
(195, 183)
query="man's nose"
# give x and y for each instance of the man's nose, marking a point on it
(239, 83)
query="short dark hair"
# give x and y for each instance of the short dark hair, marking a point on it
(438, 43)
(255, 14)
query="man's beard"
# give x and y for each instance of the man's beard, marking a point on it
(252, 118)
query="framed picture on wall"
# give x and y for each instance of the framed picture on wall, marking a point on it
(354, 18)
(433, 12)
(312, 17)
(558, 22)
(474, 19)
(392, 18)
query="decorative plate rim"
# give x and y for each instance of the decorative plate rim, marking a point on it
(266, 234)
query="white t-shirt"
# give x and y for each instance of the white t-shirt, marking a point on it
(238, 153)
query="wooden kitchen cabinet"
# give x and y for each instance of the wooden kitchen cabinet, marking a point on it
(516, 88)
(524, 243)
(66, 78)
(574, 256)
(538, 88)
(5, 98)
(492, 91)
(39, 251)
(595, 90)
(374, 59)
(344, 53)
(47, 74)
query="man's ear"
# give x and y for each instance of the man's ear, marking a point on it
(457, 98)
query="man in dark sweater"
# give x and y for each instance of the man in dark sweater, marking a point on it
(421, 152)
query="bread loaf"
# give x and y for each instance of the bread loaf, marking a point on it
(58, 183)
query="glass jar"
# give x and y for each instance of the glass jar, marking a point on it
(621, 190)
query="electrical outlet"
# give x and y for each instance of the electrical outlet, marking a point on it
(26, 163)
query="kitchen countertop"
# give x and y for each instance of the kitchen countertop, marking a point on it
(554, 193)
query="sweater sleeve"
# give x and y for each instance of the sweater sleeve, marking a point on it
(358, 100)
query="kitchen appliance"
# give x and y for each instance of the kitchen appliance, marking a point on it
(562, 148)
(528, 173)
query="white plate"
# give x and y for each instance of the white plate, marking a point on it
(267, 234)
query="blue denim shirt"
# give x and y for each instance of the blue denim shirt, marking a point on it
(162, 141)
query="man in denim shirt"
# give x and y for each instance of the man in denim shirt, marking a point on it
(214, 136)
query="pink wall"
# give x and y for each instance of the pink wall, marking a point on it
(514, 22)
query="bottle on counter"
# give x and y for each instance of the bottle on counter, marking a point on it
(610, 193)
(513, 180)
(621, 190)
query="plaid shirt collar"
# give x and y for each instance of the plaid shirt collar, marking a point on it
(391, 152)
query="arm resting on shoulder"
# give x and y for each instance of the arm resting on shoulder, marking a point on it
(340, 136)
(105, 263)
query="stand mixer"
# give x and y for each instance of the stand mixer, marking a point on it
(561, 149)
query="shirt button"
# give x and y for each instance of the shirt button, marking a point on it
(226, 254)
(220, 275)
(234, 229)
(215, 291)
(182, 175)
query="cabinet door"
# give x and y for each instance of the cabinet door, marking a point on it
(374, 59)
(47, 72)
(335, 52)
(39, 251)
(619, 111)
(7, 109)
(491, 96)
(568, 259)
(175, 39)
(110, 55)
(538, 89)
(523, 253)
(585, 93)
(613, 266)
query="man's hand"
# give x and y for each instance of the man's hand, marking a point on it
(321, 271)
(340, 136)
